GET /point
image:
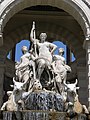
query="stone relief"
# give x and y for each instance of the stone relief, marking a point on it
(41, 80)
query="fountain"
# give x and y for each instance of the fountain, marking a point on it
(40, 89)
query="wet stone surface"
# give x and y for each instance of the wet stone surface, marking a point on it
(44, 101)
(33, 115)
(39, 115)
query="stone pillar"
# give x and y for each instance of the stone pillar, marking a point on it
(1, 39)
(2, 68)
(1, 34)
(83, 84)
(1, 83)
(87, 47)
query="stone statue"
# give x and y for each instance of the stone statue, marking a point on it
(16, 96)
(29, 92)
(60, 70)
(23, 67)
(73, 100)
(45, 49)
(9, 105)
(59, 65)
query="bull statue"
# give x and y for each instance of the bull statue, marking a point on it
(71, 91)
(78, 107)
(10, 105)
(73, 100)
(18, 94)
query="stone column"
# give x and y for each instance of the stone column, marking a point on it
(2, 68)
(87, 47)
(82, 83)
(1, 34)
(1, 83)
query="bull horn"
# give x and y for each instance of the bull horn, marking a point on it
(65, 83)
(76, 82)
(14, 80)
(12, 86)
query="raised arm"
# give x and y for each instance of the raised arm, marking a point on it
(32, 34)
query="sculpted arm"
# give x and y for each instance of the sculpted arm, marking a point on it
(33, 34)
(4, 106)
(18, 66)
(53, 47)
(54, 67)
(33, 57)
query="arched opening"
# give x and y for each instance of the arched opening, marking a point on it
(41, 21)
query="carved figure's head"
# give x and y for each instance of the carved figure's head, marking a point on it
(24, 49)
(61, 51)
(37, 85)
(43, 37)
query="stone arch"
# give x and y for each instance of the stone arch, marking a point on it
(9, 8)
(72, 7)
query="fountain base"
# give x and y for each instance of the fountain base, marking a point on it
(39, 115)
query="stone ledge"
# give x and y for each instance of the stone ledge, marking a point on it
(38, 115)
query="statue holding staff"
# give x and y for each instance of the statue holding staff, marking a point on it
(45, 49)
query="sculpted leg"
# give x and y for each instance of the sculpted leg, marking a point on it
(41, 66)
(25, 77)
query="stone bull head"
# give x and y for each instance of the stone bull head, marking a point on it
(18, 86)
(19, 90)
(71, 91)
(71, 87)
